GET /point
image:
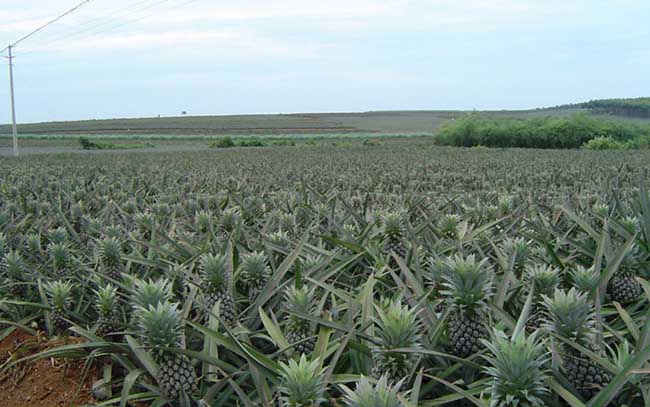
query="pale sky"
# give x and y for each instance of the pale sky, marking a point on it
(133, 58)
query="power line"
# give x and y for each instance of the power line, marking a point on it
(114, 24)
(41, 28)
(114, 17)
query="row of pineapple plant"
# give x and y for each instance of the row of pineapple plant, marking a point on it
(256, 284)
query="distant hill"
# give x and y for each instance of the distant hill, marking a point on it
(317, 123)
(637, 107)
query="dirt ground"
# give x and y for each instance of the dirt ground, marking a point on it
(43, 383)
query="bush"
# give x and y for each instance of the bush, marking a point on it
(550, 132)
(604, 143)
(251, 143)
(225, 142)
(86, 144)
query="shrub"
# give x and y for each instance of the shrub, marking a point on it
(549, 132)
(225, 142)
(603, 143)
(255, 142)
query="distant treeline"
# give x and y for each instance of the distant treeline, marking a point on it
(637, 107)
(549, 132)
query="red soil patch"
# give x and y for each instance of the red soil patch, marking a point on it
(43, 383)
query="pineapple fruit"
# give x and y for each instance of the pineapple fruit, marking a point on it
(397, 327)
(299, 332)
(60, 254)
(571, 316)
(255, 274)
(60, 298)
(393, 237)
(161, 328)
(623, 286)
(216, 283)
(106, 305)
(543, 280)
(467, 286)
(110, 251)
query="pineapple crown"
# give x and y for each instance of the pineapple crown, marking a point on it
(144, 220)
(34, 242)
(15, 264)
(214, 269)
(570, 315)
(254, 266)
(106, 299)
(631, 224)
(114, 231)
(151, 293)
(301, 383)
(436, 267)
(517, 247)
(299, 300)
(110, 250)
(312, 262)
(161, 326)
(467, 283)
(60, 253)
(366, 395)
(203, 220)
(448, 224)
(279, 238)
(392, 223)
(58, 235)
(229, 219)
(517, 370)
(59, 294)
(543, 279)
(398, 325)
(584, 279)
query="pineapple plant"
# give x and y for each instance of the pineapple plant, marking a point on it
(107, 308)
(517, 370)
(60, 254)
(16, 271)
(623, 286)
(254, 273)
(161, 328)
(467, 287)
(216, 284)
(301, 383)
(393, 237)
(382, 394)
(543, 280)
(299, 332)
(397, 327)
(59, 294)
(110, 251)
(571, 316)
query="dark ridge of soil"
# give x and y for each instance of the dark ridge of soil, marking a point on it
(206, 131)
(46, 382)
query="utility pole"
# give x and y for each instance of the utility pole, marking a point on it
(13, 102)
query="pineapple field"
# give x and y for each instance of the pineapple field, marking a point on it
(397, 274)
